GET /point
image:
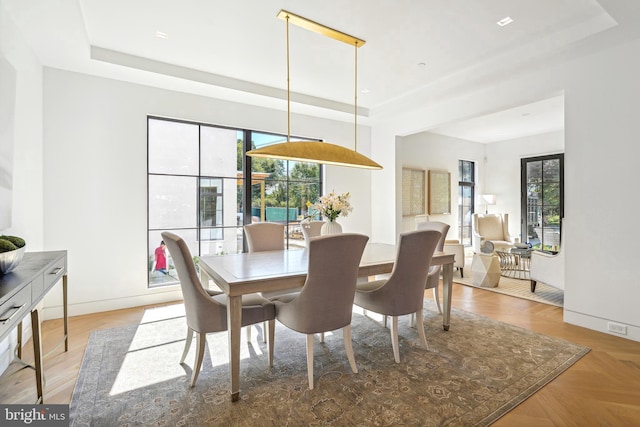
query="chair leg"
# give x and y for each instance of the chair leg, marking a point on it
(321, 336)
(420, 326)
(461, 273)
(437, 298)
(248, 331)
(264, 331)
(385, 320)
(394, 338)
(310, 360)
(272, 333)
(201, 343)
(412, 320)
(187, 344)
(346, 333)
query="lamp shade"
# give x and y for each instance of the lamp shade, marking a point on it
(489, 199)
(315, 152)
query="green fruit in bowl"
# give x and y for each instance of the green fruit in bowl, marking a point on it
(6, 245)
(11, 252)
(18, 242)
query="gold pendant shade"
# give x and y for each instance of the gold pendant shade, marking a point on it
(315, 151)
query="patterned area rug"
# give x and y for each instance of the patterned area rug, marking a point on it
(471, 375)
(519, 288)
(515, 287)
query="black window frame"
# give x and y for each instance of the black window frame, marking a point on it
(524, 198)
(246, 185)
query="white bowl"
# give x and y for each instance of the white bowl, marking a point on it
(521, 245)
(10, 260)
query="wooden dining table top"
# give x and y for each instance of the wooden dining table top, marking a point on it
(243, 273)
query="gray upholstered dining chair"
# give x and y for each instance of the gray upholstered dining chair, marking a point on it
(261, 237)
(206, 311)
(326, 300)
(403, 292)
(264, 236)
(433, 278)
(311, 229)
(267, 236)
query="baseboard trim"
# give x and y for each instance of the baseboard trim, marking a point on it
(77, 309)
(600, 324)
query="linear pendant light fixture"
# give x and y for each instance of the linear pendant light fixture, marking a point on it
(316, 151)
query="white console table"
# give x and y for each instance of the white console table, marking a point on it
(22, 290)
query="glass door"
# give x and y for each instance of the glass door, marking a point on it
(543, 201)
(466, 196)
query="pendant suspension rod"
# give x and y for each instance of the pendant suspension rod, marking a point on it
(355, 100)
(288, 87)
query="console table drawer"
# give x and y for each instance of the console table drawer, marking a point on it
(54, 272)
(13, 310)
(37, 288)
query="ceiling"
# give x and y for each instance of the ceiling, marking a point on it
(236, 50)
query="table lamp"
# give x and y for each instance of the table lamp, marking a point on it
(489, 199)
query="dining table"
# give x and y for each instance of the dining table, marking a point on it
(244, 273)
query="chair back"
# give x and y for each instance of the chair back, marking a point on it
(203, 313)
(326, 300)
(403, 292)
(264, 236)
(311, 229)
(442, 227)
(492, 226)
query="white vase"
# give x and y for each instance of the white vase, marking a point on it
(330, 227)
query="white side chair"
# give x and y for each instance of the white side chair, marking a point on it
(547, 268)
(456, 248)
(492, 227)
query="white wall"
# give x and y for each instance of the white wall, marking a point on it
(427, 151)
(95, 201)
(27, 162)
(601, 207)
(27, 207)
(502, 172)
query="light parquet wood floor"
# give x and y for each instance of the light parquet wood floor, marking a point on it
(602, 389)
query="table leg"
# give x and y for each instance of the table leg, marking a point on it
(19, 349)
(204, 278)
(37, 354)
(66, 312)
(447, 284)
(234, 324)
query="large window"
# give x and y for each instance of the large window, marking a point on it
(543, 200)
(198, 189)
(466, 191)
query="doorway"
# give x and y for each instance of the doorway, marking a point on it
(542, 200)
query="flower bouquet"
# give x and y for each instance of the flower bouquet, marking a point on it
(332, 205)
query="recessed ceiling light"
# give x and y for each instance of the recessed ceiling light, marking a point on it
(422, 64)
(162, 35)
(505, 21)
(365, 91)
